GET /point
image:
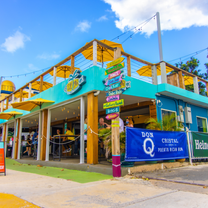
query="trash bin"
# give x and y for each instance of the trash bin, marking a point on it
(9, 151)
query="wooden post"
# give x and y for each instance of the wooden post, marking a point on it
(115, 137)
(129, 66)
(181, 80)
(4, 132)
(207, 88)
(43, 134)
(41, 83)
(72, 64)
(16, 142)
(92, 138)
(21, 94)
(7, 103)
(153, 111)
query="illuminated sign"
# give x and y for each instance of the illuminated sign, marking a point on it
(112, 110)
(75, 82)
(114, 68)
(113, 104)
(112, 116)
(115, 62)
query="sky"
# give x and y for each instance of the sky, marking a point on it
(35, 35)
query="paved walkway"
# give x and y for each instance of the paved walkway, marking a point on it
(51, 192)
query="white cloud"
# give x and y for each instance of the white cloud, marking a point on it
(102, 18)
(48, 56)
(14, 42)
(83, 26)
(174, 14)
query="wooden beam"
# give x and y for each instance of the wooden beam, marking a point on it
(43, 134)
(7, 103)
(181, 80)
(129, 66)
(72, 64)
(92, 138)
(21, 94)
(41, 83)
(153, 111)
(16, 142)
(207, 88)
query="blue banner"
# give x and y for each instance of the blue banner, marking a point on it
(151, 145)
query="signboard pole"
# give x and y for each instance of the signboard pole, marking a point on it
(116, 164)
(189, 148)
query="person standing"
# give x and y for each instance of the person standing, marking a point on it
(67, 146)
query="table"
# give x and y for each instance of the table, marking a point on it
(59, 139)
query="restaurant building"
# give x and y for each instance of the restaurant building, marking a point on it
(72, 90)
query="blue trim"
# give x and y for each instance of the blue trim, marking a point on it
(116, 155)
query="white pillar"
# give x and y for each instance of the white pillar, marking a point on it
(14, 138)
(12, 98)
(54, 75)
(163, 72)
(30, 90)
(39, 134)
(196, 86)
(154, 75)
(159, 36)
(82, 117)
(2, 106)
(20, 140)
(94, 53)
(48, 135)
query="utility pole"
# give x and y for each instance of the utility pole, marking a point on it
(159, 36)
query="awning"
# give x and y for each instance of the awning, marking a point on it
(146, 71)
(188, 80)
(28, 105)
(25, 94)
(8, 115)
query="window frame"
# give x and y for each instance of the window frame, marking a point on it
(197, 123)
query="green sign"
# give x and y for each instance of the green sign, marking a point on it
(200, 144)
(114, 68)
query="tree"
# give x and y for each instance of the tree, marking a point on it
(192, 67)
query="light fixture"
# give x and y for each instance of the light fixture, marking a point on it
(64, 108)
(73, 112)
(66, 118)
(35, 119)
(78, 107)
(67, 111)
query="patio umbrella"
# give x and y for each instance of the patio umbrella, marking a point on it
(36, 85)
(146, 71)
(64, 71)
(188, 80)
(103, 54)
(28, 105)
(25, 94)
(8, 115)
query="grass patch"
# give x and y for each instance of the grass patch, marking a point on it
(73, 175)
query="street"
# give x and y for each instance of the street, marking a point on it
(128, 191)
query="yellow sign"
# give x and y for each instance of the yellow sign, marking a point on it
(115, 62)
(113, 104)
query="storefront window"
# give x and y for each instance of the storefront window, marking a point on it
(202, 124)
(168, 113)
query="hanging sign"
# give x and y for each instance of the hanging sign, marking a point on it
(113, 86)
(114, 80)
(115, 62)
(125, 84)
(112, 110)
(2, 159)
(113, 104)
(115, 74)
(112, 98)
(114, 68)
(75, 82)
(112, 116)
(115, 92)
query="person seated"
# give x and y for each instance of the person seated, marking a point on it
(67, 146)
(129, 122)
(28, 146)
